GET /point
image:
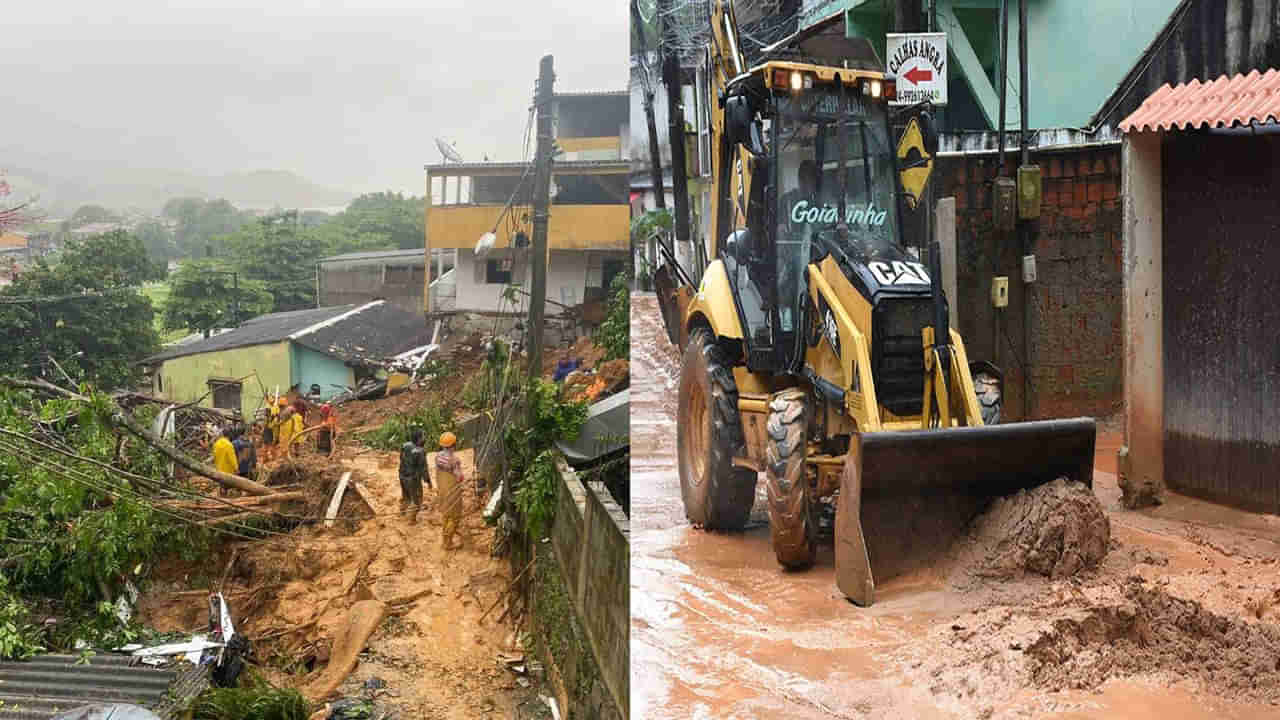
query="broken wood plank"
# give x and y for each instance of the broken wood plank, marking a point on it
(367, 497)
(234, 517)
(368, 558)
(239, 502)
(336, 501)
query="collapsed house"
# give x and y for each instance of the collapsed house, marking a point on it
(320, 353)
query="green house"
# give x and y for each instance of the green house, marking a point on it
(330, 347)
(1078, 51)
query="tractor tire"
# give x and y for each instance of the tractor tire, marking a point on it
(717, 495)
(987, 388)
(793, 525)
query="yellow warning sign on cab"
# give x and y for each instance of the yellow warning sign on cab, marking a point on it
(915, 164)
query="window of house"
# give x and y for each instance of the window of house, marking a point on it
(226, 394)
(497, 271)
(399, 274)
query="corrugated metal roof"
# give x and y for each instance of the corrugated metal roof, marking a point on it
(558, 167)
(375, 255)
(274, 327)
(351, 333)
(594, 93)
(47, 685)
(1225, 102)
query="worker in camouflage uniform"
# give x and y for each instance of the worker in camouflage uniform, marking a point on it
(413, 473)
(449, 477)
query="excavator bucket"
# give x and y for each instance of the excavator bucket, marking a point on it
(905, 496)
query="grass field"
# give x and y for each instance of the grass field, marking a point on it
(159, 294)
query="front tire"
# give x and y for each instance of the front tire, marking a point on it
(793, 525)
(717, 495)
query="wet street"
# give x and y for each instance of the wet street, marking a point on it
(720, 631)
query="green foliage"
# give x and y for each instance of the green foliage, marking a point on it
(258, 701)
(614, 334)
(394, 216)
(545, 420)
(204, 295)
(19, 637)
(480, 392)
(282, 255)
(652, 222)
(432, 419)
(536, 496)
(159, 241)
(87, 215)
(528, 441)
(99, 338)
(69, 528)
(201, 222)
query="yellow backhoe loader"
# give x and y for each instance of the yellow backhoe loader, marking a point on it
(816, 348)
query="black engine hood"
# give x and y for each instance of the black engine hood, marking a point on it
(889, 273)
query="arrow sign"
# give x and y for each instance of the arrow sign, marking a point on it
(919, 62)
(916, 75)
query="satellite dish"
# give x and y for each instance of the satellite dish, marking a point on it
(448, 150)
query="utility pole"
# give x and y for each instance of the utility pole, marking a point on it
(655, 154)
(541, 201)
(671, 77)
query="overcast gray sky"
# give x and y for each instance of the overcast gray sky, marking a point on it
(349, 97)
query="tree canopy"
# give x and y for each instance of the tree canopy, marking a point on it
(201, 221)
(205, 295)
(85, 312)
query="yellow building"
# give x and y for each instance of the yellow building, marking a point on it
(589, 226)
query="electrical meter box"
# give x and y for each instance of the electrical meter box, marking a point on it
(1000, 291)
(1004, 204)
(1029, 192)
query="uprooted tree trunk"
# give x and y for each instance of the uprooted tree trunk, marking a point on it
(121, 419)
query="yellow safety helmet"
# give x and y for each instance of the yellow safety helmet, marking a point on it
(448, 440)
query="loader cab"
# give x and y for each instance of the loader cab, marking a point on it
(823, 182)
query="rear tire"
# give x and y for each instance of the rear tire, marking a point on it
(793, 525)
(987, 387)
(717, 495)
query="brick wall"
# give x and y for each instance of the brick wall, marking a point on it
(1074, 356)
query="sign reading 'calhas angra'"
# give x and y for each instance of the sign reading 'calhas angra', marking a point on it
(919, 62)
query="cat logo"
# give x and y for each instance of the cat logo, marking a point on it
(899, 273)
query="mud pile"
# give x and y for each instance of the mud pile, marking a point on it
(1055, 530)
(1149, 631)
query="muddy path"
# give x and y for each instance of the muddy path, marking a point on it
(1181, 619)
(435, 651)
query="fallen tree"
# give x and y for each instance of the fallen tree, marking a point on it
(121, 419)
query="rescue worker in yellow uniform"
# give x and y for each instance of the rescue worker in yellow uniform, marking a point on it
(224, 453)
(449, 482)
(271, 433)
(290, 427)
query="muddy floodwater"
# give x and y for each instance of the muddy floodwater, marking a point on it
(1181, 619)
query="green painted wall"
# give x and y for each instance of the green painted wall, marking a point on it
(1078, 51)
(187, 378)
(309, 366)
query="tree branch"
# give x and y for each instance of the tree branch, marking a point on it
(121, 419)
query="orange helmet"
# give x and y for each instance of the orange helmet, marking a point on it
(282, 401)
(325, 409)
(448, 440)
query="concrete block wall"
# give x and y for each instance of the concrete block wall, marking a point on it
(1074, 350)
(590, 539)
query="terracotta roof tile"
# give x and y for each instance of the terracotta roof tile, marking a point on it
(1225, 102)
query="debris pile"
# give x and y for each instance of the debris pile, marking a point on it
(1055, 530)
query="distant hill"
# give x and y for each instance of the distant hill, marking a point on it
(62, 186)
